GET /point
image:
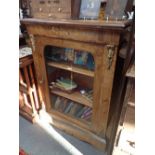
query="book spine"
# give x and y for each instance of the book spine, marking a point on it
(65, 105)
(57, 102)
(81, 112)
(73, 109)
(61, 105)
(79, 109)
(68, 107)
(86, 112)
(88, 109)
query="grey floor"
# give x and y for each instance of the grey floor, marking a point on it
(37, 141)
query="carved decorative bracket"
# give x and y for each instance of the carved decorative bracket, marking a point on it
(111, 50)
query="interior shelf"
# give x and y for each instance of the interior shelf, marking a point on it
(73, 68)
(74, 96)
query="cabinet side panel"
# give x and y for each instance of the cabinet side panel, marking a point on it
(106, 90)
(104, 82)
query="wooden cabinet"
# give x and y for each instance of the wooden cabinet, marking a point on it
(100, 39)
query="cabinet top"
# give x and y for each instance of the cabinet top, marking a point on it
(89, 24)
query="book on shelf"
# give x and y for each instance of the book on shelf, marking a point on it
(53, 98)
(57, 102)
(64, 84)
(56, 55)
(74, 109)
(86, 111)
(79, 108)
(69, 54)
(61, 105)
(90, 62)
(86, 114)
(65, 103)
(68, 107)
(80, 58)
(79, 114)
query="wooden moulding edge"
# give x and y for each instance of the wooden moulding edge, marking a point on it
(96, 24)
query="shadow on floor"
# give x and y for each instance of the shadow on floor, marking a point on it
(37, 141)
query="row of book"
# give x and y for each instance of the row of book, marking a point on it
(72, 108)
(75, 56)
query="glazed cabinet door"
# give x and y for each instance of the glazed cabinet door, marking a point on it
(98, 80)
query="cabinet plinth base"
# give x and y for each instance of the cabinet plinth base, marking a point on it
(79, 132)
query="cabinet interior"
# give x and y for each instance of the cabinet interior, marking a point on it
(75, 67)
